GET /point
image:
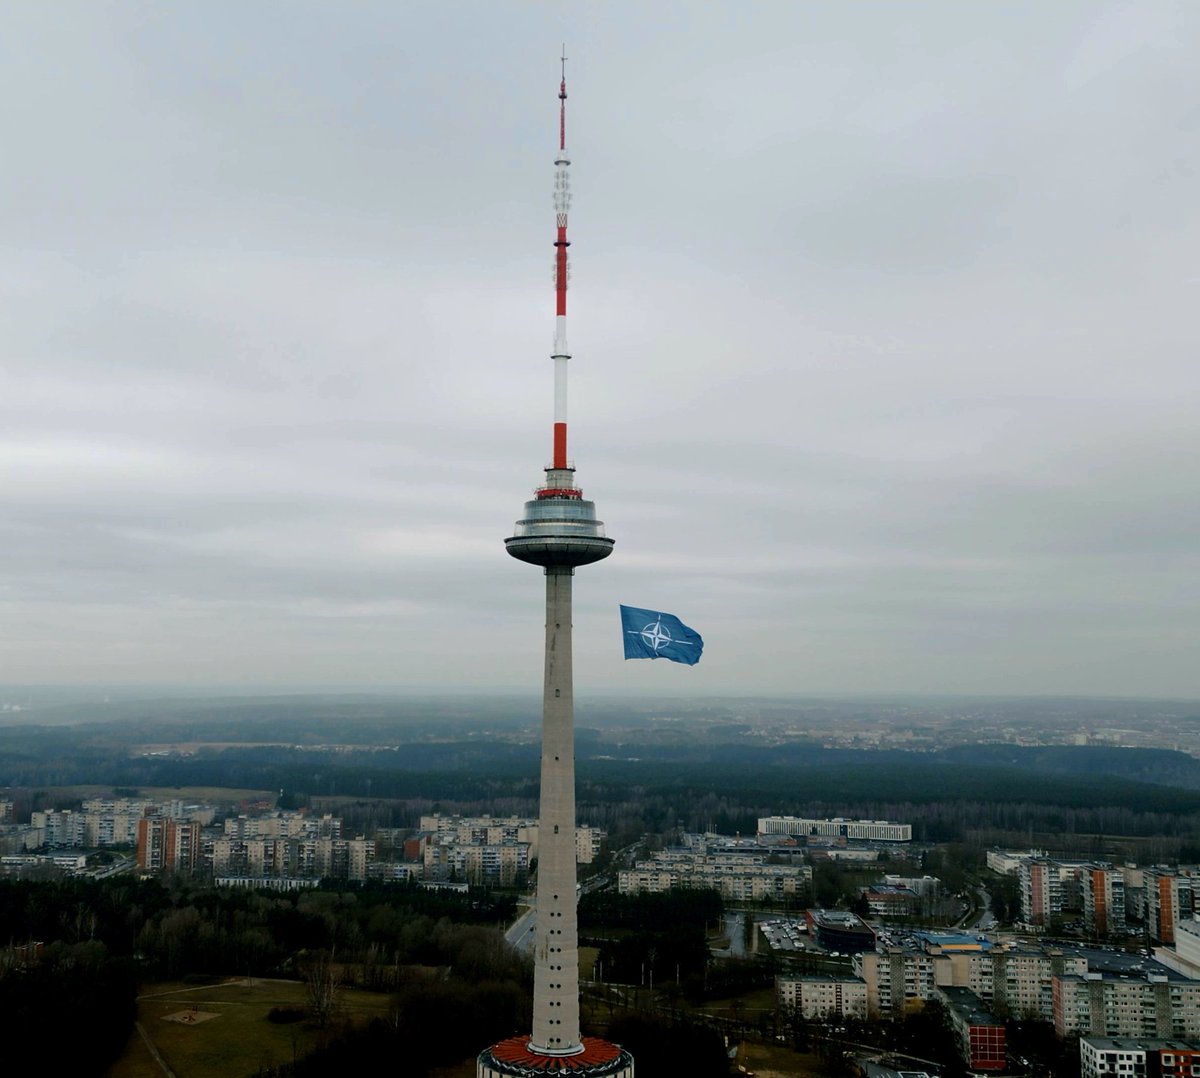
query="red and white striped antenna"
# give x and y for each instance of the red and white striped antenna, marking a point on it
(562, 203)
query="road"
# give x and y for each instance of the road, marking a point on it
(520, 934)
(986, 919)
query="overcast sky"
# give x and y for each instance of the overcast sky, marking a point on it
(884, 323)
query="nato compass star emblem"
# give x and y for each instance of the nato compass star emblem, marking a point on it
(654, 636)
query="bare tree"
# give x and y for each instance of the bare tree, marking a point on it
(321, 984)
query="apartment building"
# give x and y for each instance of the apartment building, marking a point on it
(980, 1034)
(291, 858)
(165, 844)
(837, 828)
(498, 831)
(820, 997)
(1103, 899)
(739, 881)
(1109, 1057)
(1048, 887)
(502, 862)
(895, 977)
(284, 824)
(1162, 904)
(1106, 1004)
(1012, 979)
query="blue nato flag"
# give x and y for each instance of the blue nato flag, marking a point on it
(652, 635)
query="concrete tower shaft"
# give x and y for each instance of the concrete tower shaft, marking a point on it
(556, 936)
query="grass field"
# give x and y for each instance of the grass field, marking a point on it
(776, 1061)
(239, 1039)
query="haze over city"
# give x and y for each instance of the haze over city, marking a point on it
(884, 355)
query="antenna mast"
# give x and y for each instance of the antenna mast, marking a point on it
(562, 203)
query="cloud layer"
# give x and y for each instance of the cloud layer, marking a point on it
(883, 319)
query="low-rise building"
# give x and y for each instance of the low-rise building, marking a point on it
(1007, 862)
(840, 930)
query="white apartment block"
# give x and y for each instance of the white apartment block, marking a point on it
(737, 877)
(1104, 1005)
(895, 977)
(292, 858)
(1017, 979)
(1049, 886)
(476, 862)
(497, 831)
(862, 830)
(1186, 952)
(819, 997)
(286, 824)
(1103, 1057)
(109, 821)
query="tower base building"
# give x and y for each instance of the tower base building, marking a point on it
(514, 1058)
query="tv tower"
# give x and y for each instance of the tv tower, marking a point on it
(558, 531)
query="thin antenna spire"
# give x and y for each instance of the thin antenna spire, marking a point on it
(562, 108)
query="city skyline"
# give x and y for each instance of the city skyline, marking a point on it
(887, 383)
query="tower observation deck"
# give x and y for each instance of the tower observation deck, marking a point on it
(558, 531)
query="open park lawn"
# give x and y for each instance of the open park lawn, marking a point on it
(222, 1031)
(776, 1061)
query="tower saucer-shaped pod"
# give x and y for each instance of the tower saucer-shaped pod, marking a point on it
(559, 528)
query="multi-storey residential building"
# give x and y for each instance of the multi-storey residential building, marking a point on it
(819, 997)
(1103, 1004)
(292, 858)
(167, 845)
(57, 828)
(502, 862)
(870, 830)
(980, 1034)
(109, 821)
(1011, 979)
(498, 831)
(1179, 1059)
(1048, 887)
(1162, 904)
(895, 977)
(393, 871)
(289, 824)
(1103, 899)
(739, 878)
(1185, 955)
(1108, 1057)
